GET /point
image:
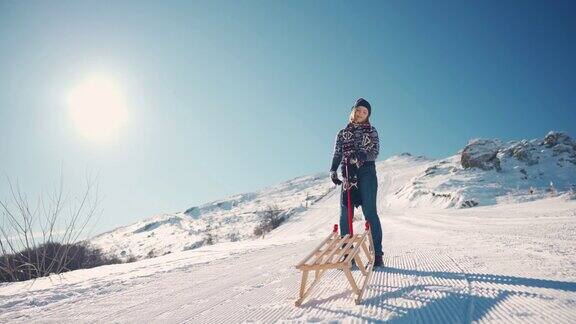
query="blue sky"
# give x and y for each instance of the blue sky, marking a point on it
(227, 97)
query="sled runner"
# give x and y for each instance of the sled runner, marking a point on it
(337, 252)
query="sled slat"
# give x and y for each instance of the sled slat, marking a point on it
(335, 243)
(346, 250)
(328, 255)
(353, 253)
(316, 250)
(346, 241)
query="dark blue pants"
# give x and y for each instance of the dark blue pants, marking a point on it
(368, 185)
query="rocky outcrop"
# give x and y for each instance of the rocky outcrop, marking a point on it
(561, 144)
(523, 151)
(481, 153)
(554, 138)
(488, 154)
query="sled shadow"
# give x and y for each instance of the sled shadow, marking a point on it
(440, 303)
(449, 306)
(490, 278)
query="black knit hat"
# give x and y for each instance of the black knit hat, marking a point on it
(363, 102)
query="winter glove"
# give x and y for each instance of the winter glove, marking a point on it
(334, 177)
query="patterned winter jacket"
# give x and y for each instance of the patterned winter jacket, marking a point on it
(355, 138)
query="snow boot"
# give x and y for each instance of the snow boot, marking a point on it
(378, 261)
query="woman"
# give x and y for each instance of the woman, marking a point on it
(358, 143)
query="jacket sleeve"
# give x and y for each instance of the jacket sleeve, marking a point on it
(373, 149)
(337, 155)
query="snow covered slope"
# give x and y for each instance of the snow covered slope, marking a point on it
(227, 220)
(501, 263)
(485, 172)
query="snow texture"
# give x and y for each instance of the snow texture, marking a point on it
(509, 258)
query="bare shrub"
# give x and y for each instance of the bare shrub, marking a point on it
(209, 237)
(25, 255)
(53, 257)
(131, 258)
(151, 254)
(270, 219)
(233, 236)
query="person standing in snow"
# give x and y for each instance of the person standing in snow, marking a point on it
(358, 143)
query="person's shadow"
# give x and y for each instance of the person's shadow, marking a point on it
(435, 298)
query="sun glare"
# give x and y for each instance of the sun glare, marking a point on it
(97, 108)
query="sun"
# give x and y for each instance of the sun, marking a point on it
(98, 108)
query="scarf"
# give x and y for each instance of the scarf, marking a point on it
(352, 139)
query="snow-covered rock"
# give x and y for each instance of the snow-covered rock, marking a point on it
(488, 172)
(481, 153)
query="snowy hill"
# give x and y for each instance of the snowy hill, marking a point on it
(487, 172)
(484, 172)
(231, 219)
(504, 260)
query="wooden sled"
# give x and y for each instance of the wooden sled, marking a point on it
(330, 255)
